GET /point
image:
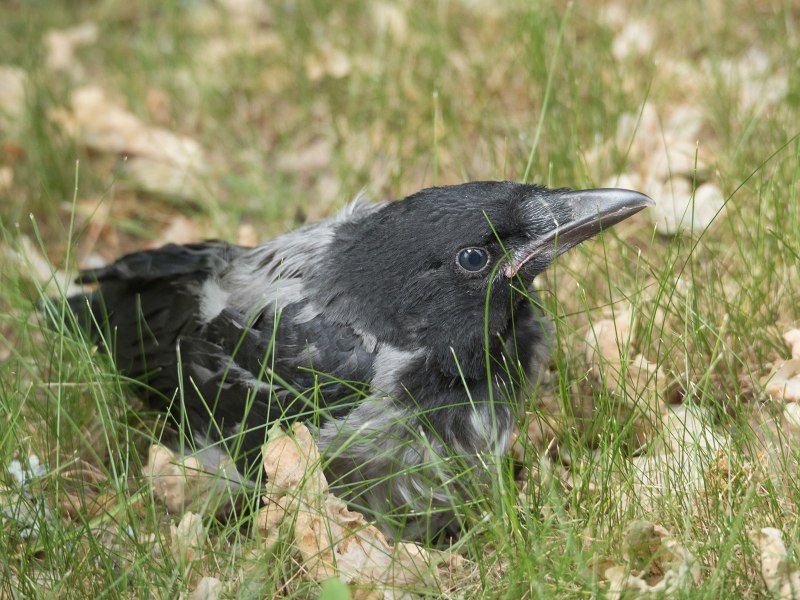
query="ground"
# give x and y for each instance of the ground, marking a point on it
(659, 450)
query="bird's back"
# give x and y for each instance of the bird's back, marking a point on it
(226, 337)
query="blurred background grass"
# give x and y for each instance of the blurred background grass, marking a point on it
(299, 105)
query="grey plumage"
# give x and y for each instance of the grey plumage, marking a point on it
(400, 332)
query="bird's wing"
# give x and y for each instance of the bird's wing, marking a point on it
(146, 299)
(230, 327)
(167, 262)
(240, 376)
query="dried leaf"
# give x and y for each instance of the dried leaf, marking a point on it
(791, 413)
(327, 61)
(158, 105)
(781, 581)
(784, 381)
(285, 463)
(622, 584)
(665, 159)
(331, 539)
(608, 348)
(61, 45)
(677, 209)
(635, 39)
(188, 537)
(687, 425)
(181, 484)
(29, 258)
(663, 142)
(181, 230)
(271, 518)
(792, 338)
(158, 177)
(218, 49)
(248, 11)
(287, 460)
(166, 478)
(13, 82)
(80, 494)
(208, 588)
(390, 19)
(246, 235)
(313, 157)
(6, 178)
(682, 454)
(640, 384)
(760, 84)
(654, 563)
(158, 160)
(613, 14)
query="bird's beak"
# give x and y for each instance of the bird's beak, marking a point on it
(576, 216)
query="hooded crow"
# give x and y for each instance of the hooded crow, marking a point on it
(402, 333)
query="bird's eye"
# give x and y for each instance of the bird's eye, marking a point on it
(472, 259)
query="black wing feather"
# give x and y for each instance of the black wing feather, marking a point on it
(240, 372)
(145, 300)
(247, 376)
(167, 262)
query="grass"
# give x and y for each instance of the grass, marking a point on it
(300, 108)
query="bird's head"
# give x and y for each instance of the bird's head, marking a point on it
(435, 269)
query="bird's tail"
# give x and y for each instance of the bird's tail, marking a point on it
(143, 300)
(85, 310)
(79, 311)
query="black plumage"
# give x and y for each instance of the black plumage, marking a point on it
(402, 332)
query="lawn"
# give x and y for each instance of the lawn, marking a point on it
(659, 454)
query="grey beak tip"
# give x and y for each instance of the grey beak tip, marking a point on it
(636, 197)
(612, 204)
(612, 196)
(644, 198)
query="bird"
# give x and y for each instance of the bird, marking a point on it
(402, 333)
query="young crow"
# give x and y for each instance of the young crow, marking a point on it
(401, 332)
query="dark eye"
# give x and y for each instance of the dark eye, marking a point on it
(472, 259)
